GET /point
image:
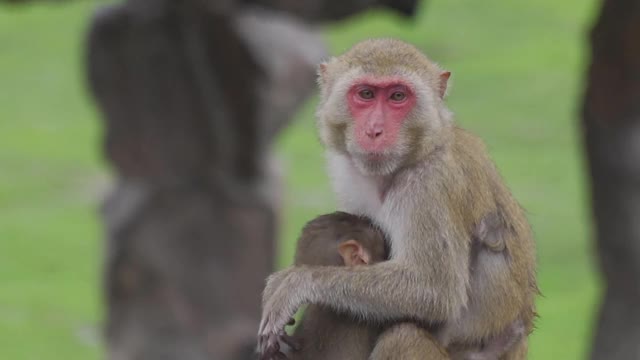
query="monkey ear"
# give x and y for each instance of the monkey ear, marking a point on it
(353, 253)
(444, 80)
(323, 70)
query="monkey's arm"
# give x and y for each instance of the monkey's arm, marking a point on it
(383, 291)
(379, 292)
(428, 282)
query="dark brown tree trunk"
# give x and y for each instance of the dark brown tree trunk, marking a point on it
(612, 136)
(190, 115)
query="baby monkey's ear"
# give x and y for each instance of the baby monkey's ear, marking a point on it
(353, 253)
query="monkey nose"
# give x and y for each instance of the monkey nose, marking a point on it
(374, 132)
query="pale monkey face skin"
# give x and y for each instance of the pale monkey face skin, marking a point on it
(379, 111)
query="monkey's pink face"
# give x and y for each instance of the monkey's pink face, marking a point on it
(379, 106)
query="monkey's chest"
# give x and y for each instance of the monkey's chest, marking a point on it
(362, 199)
(365, 201)
(364, 195)
(358, 194)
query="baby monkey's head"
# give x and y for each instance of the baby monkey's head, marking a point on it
(338, 239)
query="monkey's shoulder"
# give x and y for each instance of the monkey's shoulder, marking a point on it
(475, 167)
(482, 188)
(470, 150)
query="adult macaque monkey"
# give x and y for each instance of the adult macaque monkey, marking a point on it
(462, 255)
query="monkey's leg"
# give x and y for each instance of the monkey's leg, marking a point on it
(408, 342)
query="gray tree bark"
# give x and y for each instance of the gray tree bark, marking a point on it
(190, 116)
(193, 93)
(611, 123)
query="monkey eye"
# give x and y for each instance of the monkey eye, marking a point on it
(366, 94)
(398, 96)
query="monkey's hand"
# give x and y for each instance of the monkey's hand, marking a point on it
(279, 307)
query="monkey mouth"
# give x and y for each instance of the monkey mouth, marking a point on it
(375, 156)
(376, 163)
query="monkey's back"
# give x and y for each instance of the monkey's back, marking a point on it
(328, 335)
(509, 242)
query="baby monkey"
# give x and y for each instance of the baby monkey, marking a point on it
(336, 239)
(342, 239)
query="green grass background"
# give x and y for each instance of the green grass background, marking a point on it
(518, 69)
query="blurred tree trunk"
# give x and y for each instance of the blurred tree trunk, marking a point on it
(190, 116)
(611, 117)
(193, 93)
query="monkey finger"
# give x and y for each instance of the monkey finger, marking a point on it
(265, 324)
(274, 354)
(262, 346)
(269, 346)
(280, 356)
(277, 355)
(293, 341)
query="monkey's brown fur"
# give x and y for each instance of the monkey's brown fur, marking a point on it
(407, 342)
(462, 253)
(324, 333)
(320, 237)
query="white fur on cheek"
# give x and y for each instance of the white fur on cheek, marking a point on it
(332, 107)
